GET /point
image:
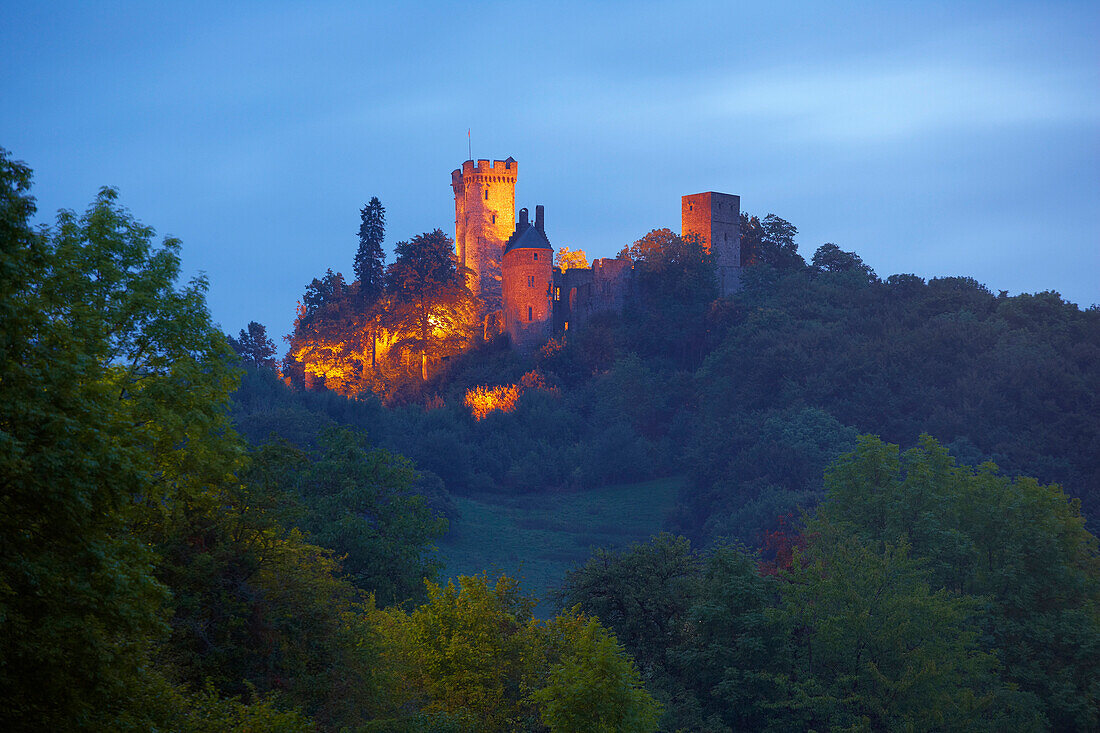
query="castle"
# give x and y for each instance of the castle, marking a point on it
(512, 262)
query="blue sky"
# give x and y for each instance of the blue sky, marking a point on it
(934, 138)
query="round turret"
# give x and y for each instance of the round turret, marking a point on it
(528, 271)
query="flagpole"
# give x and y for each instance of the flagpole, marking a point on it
(470, 145)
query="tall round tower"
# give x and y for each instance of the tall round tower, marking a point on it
(485, 216)
(528, 268)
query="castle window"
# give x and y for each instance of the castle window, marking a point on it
(530, 314)
(486, 193)
(536, 256)
(557, 293)
(566, 326)
(494, 218)
(691, 207)
(530, 281)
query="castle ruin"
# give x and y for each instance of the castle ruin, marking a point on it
(511, 262)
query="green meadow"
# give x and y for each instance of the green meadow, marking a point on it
(539, 538)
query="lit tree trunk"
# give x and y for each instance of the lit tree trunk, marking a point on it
(425, 326)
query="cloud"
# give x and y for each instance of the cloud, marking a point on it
(875, 102)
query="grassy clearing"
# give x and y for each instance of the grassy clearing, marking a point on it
(539, 538)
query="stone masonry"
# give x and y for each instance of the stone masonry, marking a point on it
(485, 216)
(715, 219)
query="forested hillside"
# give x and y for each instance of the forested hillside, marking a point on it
(751, 396)
(189, 542)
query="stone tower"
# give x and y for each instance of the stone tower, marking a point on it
(528, 270)
(715, 218)
(485, 216)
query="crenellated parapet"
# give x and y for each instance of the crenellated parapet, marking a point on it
(485, 216)
(477, 171)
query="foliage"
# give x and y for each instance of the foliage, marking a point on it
(474, 653)
(358, 501)
(754, 467)
(1018, 544)
(595, 687)
(482, 400)
(1010, 379)
(107, 370)
(769, 242)
(675, 283)
(873, 646)
(369, 264)
(254, 347)
(566, 258)
(432, 303)
(640, 594)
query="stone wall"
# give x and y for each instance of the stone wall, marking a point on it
(580, 293)
(715, 219)
(485, 216)
(527, 312)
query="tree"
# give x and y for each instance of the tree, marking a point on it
(831, 258)
(369, 263)
(595, 687)
(641, 594)
(769, 242)
(474, 655)
(731, 646)
(433, 307)
(358, 501)
(107, 369)
(566, 258)
(676, 283)
(1017, 543)
(254, 347)
(324, 292)
(370, 269)
(875, 647)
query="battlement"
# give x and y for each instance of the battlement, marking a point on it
(508, 168)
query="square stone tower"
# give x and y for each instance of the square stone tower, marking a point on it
(485, 216)
(715, 219)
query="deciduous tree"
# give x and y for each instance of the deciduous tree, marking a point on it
(254, 347)
(433, 308)
(107, 369)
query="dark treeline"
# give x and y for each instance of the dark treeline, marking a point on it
(158, 573)
(920, 596)
(928, 590)
(751, 396)
(188, 543)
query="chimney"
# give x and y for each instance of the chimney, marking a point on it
(522, 220)
(539, 219)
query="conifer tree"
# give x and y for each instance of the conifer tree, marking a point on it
(370, 259)
(370, 267)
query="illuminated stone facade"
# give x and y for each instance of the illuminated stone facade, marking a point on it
(528, 275)
(512, 262)
(485, 216)
(715, 219)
